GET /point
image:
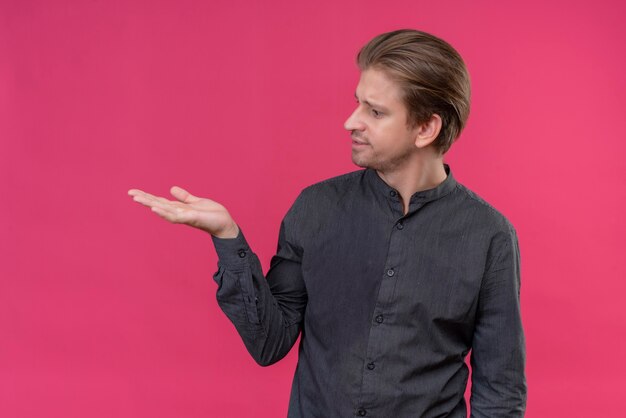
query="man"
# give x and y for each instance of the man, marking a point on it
(392, 273)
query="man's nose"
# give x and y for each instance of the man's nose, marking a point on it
(353, 123)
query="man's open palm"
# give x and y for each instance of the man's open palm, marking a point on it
(204, 214)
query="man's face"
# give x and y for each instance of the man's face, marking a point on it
(381, 138)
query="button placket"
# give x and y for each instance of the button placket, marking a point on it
(382, 317)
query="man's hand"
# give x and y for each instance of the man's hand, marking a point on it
(204, 214)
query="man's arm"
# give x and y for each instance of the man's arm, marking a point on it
(498, 348)
(267, 313)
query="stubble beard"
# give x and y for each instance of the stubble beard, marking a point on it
(379, 163)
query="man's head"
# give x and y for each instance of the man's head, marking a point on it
(430, 77)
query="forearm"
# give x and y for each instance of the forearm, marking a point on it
(266, 316)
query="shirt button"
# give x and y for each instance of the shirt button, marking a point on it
(379, 319)
(371, 366)
(390, 272)
(399, 225)
(361, 412)
(242, 253)
(393, 193)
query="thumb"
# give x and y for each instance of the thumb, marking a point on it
(183, 195)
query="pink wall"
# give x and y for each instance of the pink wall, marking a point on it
(107, 310)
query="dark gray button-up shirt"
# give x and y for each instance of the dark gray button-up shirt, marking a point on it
(388, 304)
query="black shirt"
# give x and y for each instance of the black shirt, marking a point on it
(389, 305)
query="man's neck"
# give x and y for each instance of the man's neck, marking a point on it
(416, 175)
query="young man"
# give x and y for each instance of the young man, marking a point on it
(392, 273)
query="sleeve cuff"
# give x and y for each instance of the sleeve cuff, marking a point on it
(232, 251)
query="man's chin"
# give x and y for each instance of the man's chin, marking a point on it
(363, 164)
(359, 163)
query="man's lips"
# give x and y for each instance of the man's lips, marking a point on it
(356, 141)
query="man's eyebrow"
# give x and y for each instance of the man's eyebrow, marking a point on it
(371, 104)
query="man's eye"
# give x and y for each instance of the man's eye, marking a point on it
(376, 113)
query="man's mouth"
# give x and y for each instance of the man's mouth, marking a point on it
(356, 141)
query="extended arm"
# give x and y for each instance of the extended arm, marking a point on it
(498, 349)
(267, 313)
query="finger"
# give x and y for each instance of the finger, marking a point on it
(183, 195)
(174, 215)
(135, 192)
(148, 196)
(150, 201)
(165, 214)
(157, 198)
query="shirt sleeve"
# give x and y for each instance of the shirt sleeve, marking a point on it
(266, 311)
(498, 349)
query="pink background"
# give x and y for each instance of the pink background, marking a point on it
(107, 310)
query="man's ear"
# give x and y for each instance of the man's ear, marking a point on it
(426, 132)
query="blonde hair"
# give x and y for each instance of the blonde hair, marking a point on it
(432, 77)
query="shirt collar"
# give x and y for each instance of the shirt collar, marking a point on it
(423, 196)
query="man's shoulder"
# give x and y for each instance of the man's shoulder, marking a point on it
(483, 211)
(315, 201)
(325, 194)
(334, 185)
